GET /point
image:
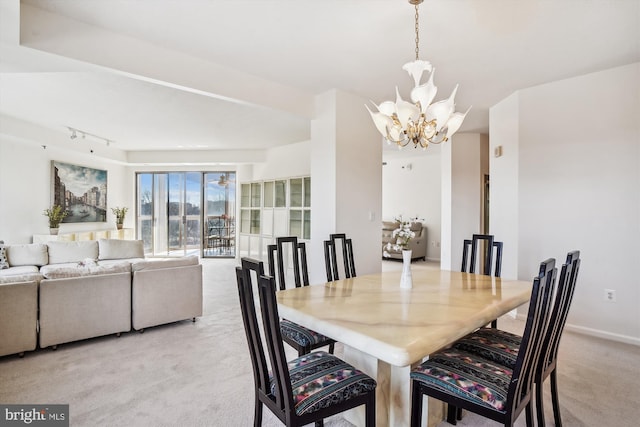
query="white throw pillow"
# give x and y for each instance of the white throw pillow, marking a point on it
(29, 254)
(60, 252)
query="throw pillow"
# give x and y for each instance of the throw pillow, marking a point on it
(3, 256)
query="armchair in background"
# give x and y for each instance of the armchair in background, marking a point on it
(417, 244)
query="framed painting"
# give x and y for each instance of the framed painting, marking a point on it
(80, 190)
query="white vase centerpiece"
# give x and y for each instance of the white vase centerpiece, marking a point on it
(406, 281)
(403, 235)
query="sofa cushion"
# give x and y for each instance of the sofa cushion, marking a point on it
(17, 278)
(56, 272)
(19, 270)
(29, 254)
(154, 264)
(117, 261)
(61, 252)
(390, 225)
(3, 256)
(120, 249)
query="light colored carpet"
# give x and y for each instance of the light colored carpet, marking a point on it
(199, 374)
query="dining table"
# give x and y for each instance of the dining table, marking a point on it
(387, 330)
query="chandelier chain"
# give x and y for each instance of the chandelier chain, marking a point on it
(422, 121)
(417, 33)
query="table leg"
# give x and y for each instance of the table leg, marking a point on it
(393, 394)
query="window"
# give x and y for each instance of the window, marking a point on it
(171, 219)
(300, 210)
(251, 195)
(270, 209)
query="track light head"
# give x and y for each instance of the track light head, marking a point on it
(85, 135)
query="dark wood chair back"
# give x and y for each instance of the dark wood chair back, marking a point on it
(331, 257)
(562, 303)
(471, 249)
(558, 318)
(519, 394)
(277, 253)
(521, 387)
(273, 387)
(248, 306)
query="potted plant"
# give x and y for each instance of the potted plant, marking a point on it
(119, 213)
(56, 214)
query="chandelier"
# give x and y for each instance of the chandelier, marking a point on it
(418, 122)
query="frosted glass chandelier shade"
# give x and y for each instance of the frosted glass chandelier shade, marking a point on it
(420, 122)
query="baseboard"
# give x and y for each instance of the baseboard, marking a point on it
(596, 333)
(604, 334)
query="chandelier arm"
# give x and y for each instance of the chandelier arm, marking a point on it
(435, 141)
(399, 142)
(415, 127)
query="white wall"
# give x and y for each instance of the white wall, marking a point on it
(504, 125)
(462, 184)
(25, 189)
(346, 181)
(286, 161)
(414, 191)
(577, 163)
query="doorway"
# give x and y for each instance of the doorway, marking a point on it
(181, 213)
(219, 225)
(169, 211)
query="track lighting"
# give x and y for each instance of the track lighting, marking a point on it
(75, 132)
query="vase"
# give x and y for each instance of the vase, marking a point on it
(406, 282)
(53, 231)
(119, 226)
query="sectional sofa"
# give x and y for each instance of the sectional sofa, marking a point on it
(60, 292)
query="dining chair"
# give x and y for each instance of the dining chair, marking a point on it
(470, 249)
(489, 268)
(502, 347)
(331, 257)
(466, 380)
(300, 338)
(304, 390)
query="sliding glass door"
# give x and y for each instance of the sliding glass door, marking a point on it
(183, 232)
(220, 214)
(171, 220)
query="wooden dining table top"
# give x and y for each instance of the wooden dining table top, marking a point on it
(373, 314)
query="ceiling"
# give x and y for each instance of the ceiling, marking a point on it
(242, 74)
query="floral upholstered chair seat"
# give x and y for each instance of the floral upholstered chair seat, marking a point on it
(320, 380)
(469, 376)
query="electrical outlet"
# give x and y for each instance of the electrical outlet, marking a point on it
(610, 295)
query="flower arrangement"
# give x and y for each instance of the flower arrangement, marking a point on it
(119, 213)
(402, 235)
(56, 214)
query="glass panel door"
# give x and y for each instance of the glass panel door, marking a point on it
(192, 209)
(219, 227)
(144, 210)
(160, 214)
(169, 209)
